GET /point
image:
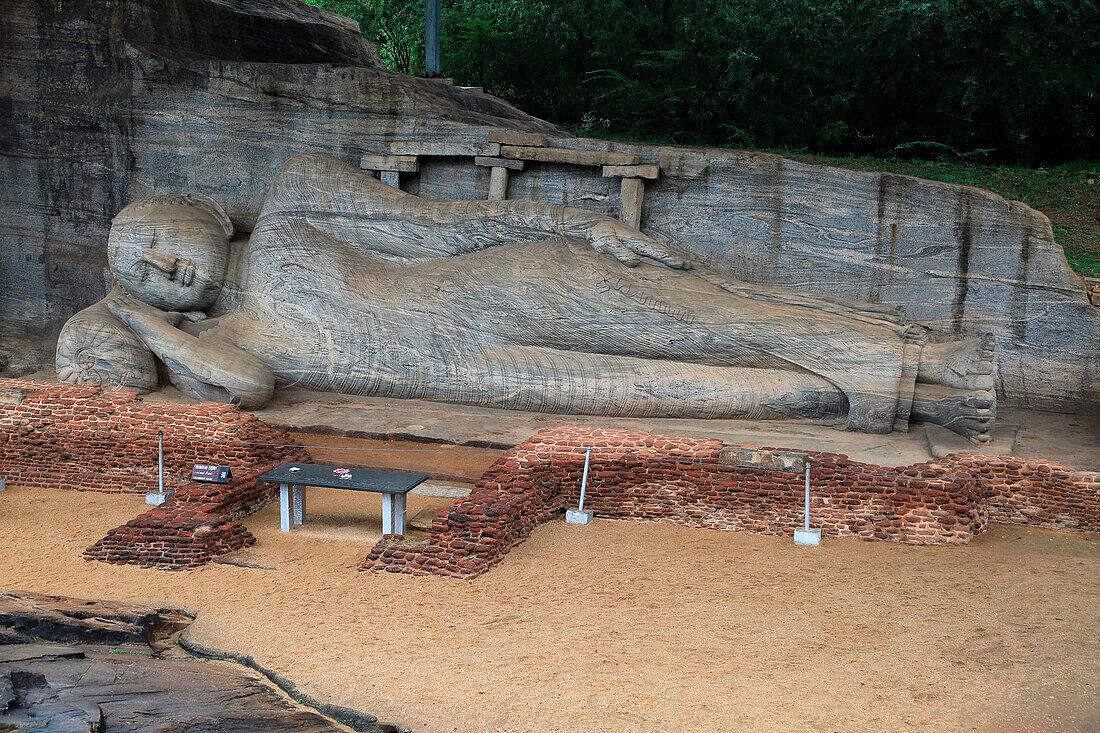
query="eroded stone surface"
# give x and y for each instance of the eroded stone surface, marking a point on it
(348, 285)
(110, 676)
(211, 96)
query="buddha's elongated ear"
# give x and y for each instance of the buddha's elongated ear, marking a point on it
(213, 208)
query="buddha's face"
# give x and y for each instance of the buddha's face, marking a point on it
(169, 253)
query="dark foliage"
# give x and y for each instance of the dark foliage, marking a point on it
(1005, 80)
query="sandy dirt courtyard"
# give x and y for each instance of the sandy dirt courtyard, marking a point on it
(622, 626)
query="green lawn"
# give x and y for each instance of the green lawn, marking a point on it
(1069, 195)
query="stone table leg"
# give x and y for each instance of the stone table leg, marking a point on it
(284, 507)
(393, 514)
(299, 504)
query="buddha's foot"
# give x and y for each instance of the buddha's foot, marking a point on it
(961, 365)
(968, 412)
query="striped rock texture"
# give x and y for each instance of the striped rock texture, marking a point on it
(112, 101)
(349, 285)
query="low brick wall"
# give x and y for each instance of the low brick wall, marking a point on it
(200, 522)
(56, 435)
(87, 439)
(63, 436)
(643, 476)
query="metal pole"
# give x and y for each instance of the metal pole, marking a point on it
(431, 37)
(584, 478)
(806, 524)
(160, 460)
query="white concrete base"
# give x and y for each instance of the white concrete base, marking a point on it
(807, 537)
(578, 516)
(156, 498)
(3, 485)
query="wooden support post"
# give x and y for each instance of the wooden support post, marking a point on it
(498, 184)
(630, 202)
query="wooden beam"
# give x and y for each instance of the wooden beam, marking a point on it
(443, 149)
(400, 163)
(516, 165)
(528, 139)
(631, 171)
(592, 158)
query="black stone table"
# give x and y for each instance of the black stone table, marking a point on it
(295, 477)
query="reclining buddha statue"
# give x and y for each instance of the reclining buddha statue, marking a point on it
(349, 285)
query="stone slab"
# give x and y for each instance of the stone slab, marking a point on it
(37, 650)
(334, 477)
(526, 139)
(570, 156)
(515, 165)
(443, 490)
(60, 618)
(649, 172)
(399, 163)
(443, 149)
(424, 518)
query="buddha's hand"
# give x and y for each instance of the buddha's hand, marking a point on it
(140, 316)
(628, 245)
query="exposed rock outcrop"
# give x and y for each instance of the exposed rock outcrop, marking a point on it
(119, 669)
(111, 101)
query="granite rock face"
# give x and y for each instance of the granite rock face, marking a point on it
(108, 102)
(119, 668)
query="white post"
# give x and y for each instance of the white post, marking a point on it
(806, 523)
(584, 477)
(807, 536)
(159, 497)
(580, 515)
(393, 514)
(298, 493)
(284, 507)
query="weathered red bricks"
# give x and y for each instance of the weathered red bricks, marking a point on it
(642, 476)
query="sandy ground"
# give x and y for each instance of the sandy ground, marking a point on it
(438, 460)
(624, 626)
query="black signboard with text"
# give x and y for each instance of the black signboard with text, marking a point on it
(211, 474)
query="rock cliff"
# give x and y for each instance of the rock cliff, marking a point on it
(106, 102)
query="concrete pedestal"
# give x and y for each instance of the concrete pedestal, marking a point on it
(156, 498)
(807, 536)
(578, 516)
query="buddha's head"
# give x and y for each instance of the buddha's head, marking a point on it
(171, 251)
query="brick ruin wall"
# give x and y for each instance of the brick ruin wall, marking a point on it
(643, 476)
(62, 436)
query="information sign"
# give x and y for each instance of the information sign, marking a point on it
(211, 474)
